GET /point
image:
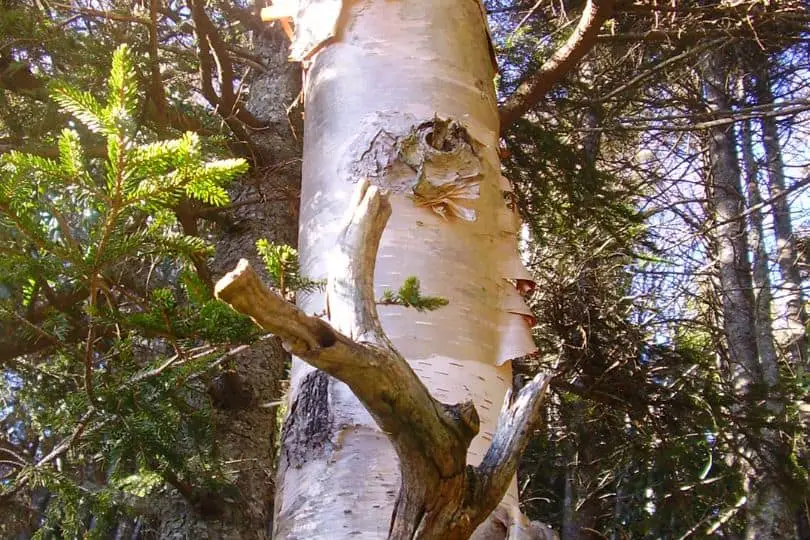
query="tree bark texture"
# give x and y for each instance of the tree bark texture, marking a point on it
(761, 280)
(440, 495)
(787, 255)
(769, 514)
(263, 206)
(401, 94)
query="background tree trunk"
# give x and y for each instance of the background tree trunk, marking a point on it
(787, 253)
(769, 515)
(786, 250)
(263, 206)
(761, 281)
(579, 509)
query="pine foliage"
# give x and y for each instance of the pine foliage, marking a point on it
(410, 295)
(97, 281)
(281, 263)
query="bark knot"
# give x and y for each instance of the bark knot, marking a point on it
(434, 162)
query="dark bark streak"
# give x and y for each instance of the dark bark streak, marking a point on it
(308, 428)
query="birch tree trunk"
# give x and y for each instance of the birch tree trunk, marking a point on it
(401, 94)
(769, 514)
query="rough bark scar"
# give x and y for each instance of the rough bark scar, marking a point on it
(308, 428)
(435, 163)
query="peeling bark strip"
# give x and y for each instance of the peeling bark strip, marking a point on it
(441, 497)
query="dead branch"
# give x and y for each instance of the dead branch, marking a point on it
(440, 495)
(211, 45)
(534, 87)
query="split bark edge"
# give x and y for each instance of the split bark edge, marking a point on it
(440, 495)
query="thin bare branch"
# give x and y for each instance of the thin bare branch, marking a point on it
(534, 88)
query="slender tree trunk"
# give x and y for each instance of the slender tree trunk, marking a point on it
(579, 511)
(263, 207)
(727, 202)
(401, 94)
(766, 346)
(786, 250)
(769, 514)
(761, 280)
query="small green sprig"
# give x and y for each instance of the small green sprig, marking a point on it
(282, 265)
(409, 295)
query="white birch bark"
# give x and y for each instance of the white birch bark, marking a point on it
(401, 93)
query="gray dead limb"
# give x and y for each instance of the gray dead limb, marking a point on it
(441, 497)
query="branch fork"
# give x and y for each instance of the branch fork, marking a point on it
(440, 495)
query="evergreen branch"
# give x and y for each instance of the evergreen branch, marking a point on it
(35, 239)
(39, 331)
(409, 295)
(60, 449)
(82, 105)
(281, 262)
(123, 88)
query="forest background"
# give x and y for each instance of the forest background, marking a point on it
(659, 176)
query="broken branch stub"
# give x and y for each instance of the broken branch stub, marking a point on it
(440, 495)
